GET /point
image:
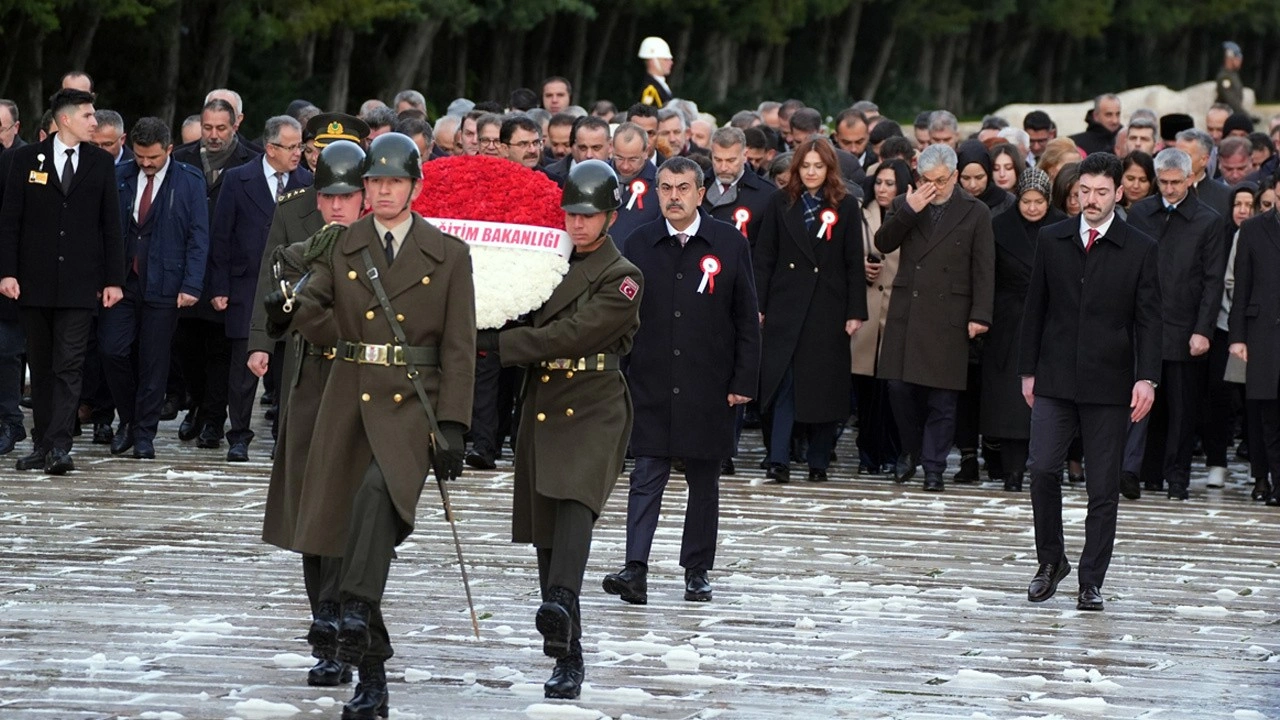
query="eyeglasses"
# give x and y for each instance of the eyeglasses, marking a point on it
(288, 148)
(940, 182)
(489, 142)
(7, 128)
(525, 144)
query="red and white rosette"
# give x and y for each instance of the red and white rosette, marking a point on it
(741, 216)
(828, 218)
(638, 188)
(710, 265)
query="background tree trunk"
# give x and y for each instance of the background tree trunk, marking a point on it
(848, 44)
(34, 89)
(683, 41)
(407, 63)
(994, 45)
(82, 41)
(881, 64)
(340, 82)
(925, 60)
(942, 72)
(169, 67)
(605, 35)
(460, 64)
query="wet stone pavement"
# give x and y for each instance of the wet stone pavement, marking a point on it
(140, 589)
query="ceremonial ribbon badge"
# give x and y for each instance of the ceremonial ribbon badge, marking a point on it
(829, 218)
(710, 265)
(638, 189)
(741, 216)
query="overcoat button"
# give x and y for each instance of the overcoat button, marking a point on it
(791, 266)
(365, 397)
(568, 412)
(397, 397)
(351, 274)
(368, 315)
(399, 318)
(568, 374)
(546, 378)
(675, 391)
(426, 280)
(542, 417)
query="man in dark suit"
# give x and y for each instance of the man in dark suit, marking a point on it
(1199, 146)
(61, 255)
(164, 220)
(736, 196)
(853, 134)
(240, 225)
(942, 299)
(202, 350)
(110, 136)
(12, 341)
(710, 354)
(1090, 361)
(1192, 262)
(1101, 125)
(638, 178)
(588, 140)
(9, 127)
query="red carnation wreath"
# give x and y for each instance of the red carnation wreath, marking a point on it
(511, 217)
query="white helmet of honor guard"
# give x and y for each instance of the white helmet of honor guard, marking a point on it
(654, 48)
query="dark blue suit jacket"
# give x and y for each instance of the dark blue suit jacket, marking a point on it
(178, 248)
(753, 193)
(240, 224)
(645, 208)
(706, 344)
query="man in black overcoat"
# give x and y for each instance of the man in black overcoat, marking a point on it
(696, 358)
(61, 256)
(1090, 361)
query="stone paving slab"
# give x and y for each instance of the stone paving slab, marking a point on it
(140, 589)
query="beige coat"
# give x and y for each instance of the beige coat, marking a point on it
(866, 342)
(370, 412)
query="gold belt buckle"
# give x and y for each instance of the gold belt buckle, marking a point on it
(376, 355)
(560, 364)
(329, 353)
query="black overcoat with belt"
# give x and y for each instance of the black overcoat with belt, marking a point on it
(693, 348)
(808, 287)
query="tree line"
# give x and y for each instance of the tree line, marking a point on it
(160, 56)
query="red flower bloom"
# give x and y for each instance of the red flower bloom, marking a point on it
(478, 187)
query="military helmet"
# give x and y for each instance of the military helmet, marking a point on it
(592, 188)
(394, 155)
(339, 169)
(652, 48)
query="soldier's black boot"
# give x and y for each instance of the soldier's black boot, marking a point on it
(631, 583)
(371, 697)
(555, 620)
(565, 682)
(353, 631)
(323, 634)
(328, 673)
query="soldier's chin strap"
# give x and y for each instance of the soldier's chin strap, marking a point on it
(608, 224)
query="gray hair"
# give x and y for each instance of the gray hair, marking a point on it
(727, 137)
(12, 107)
(1142, 122)
(110, 118)
(486, 120)
(413, 97)
(994, 122)
(1234, 146)
(1143, 113)
(539, 115)
(687, 108)
(1200, 137)
(768, 106)
(576, 111)
(275, 125)
(632, 131)
(447, 125)
(667, 113)
(943, 120)
(238, 104)
(1097, 102)
(865, 106)
(1173, 159)
(680, 165)
(744, 119)
(936, 156)
(1016, 136)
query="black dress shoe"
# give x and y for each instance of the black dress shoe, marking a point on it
(779, 473)
(1090, 598)
(904, 469)
(677, 465)
(34, 461)
(271, 413)
(696, 586)
(210, 438)
(816, 475)
(102, 434)
(1153, 485)
(1045, 583)
(238, 452)
(727, 467)
(328, 673)
(188, 429)
(968, 467)
(58, 462)
(10, 435)
(268, 398)
(631, 583)
(933, 482)
(353, 632)
(172, 406)
(1178, 492)
(123, 440)
(1130, 486)
(144, 449)
(371, 696)
(480, 461)
(555, 620)
(565, 682)
(1013, 482)
(1274, 500)
(1261, 489)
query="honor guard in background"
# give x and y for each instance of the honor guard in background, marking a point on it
(576, 415)
(336, 202)
(656, 55)
(394, 298)
(1228, 83)
(696, 359)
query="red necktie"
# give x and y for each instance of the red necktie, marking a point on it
(144, 208)
(1093, 236)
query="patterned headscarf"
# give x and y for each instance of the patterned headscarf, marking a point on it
(1033, 179)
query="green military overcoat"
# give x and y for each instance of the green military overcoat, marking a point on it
(574, 424)
(370, 412)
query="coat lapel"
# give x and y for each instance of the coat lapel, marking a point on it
(259, 191)
(957, 209)
(420, 253)
(794, 219)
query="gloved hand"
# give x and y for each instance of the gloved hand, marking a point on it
(274, 302)
(487, 340)
(449, 462)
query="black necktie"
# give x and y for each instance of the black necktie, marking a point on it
(68, 170)
(390, 247)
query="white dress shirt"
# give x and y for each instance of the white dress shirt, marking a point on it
(276, 190)
(1102, 229)
(689, 231)
(60, 155)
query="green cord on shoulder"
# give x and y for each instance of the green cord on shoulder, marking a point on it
(321, 244)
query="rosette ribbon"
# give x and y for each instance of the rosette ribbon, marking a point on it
(828, 218)
(741, 216)
(638, 188)
(710, 265)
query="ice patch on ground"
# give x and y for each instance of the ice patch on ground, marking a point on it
(1091, 705)
(979, 679)
(163, 715)
(292, 660)
(618, 696)
(414, 675)
(1248, 715)
(181, 475)
(806, 623)
(1202, 610)
(548, 711)
(255, 709)
(700, 681)
(682, 658)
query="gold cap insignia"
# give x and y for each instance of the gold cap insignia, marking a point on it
(335, 128)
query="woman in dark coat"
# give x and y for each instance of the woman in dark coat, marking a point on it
(1005, 415)
(809, 276)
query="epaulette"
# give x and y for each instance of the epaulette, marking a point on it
(293, 194)
(322, 242)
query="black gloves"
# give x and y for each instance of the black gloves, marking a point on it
(274, 303)
(449, 462)
(487, 340)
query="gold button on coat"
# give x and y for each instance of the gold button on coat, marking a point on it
(397, 397)
(426, 280)
(368, 315)
(568, 412)
(569, 374)
(546, 378)
(399, 318)
(351, 274)
(365, 397)
(542, 417)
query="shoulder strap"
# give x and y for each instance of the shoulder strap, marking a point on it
(371, 272)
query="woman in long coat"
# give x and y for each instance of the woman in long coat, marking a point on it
(878, 445)
(810, 279)
(1005, 415)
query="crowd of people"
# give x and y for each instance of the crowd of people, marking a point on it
(810, 276)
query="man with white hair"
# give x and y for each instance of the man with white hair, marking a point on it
(409, 100)
(1192, 263)
(942, 299)
(1199, 146)
(446, 136)
(1018, 138)
(944, 129)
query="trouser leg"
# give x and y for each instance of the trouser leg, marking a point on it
(366, 562)
(70, 329)
(571, 545)
(37, 326)
(155, 340)
(1186, 387)
(1217, 421)
(784, 417)
(822, 440)
(117, 337)
(1053, 427)
(644, 504)
(484, 408)
(1102, 429)
(939, 428)
(701, 514)
(242, 391)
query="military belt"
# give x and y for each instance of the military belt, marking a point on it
(389, 355)
(325, 352)
(599, 361)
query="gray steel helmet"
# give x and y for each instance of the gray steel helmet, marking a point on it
(339, 169)
(393, 154)
(592, 188)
